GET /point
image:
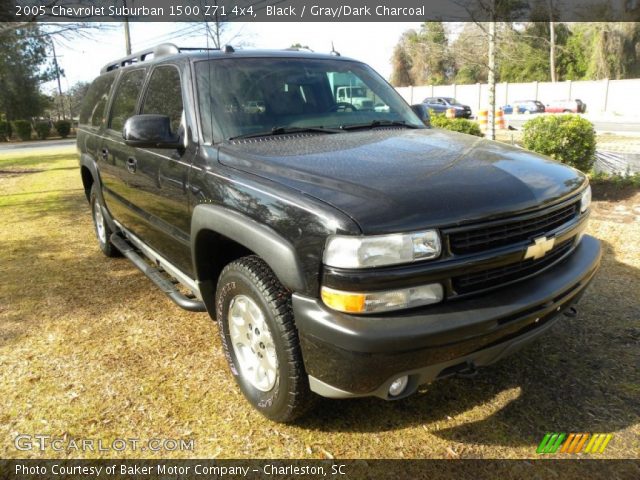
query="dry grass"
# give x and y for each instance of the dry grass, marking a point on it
(90, 349)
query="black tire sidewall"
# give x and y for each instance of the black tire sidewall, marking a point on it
(107, 248)
(275, 401)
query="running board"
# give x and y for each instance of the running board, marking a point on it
(155, 275)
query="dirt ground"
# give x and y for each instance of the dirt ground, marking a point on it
(90, 349)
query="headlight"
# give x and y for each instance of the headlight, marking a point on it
(585, 201)
(377, 250)
(373, 302)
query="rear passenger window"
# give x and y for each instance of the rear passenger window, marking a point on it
(164, 95)
(126, 98)
(95, 101)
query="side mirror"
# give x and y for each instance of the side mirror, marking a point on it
(150, 131)
(422, 111)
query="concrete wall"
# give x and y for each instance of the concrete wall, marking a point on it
(621, 97)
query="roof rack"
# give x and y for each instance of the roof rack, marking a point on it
(159, 51)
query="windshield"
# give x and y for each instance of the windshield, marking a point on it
(244, 96)
(452, 101)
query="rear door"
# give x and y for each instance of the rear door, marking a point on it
(119, 178)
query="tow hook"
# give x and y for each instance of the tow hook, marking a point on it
(468, 372)
(570, 312)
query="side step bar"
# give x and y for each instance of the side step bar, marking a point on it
(156, 276)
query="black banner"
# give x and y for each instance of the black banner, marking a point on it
(331, 469)
(319, 11)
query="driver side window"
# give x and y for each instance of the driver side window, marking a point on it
(164, 95)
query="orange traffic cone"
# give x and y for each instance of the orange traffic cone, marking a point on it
(500, 119)
(483, 119)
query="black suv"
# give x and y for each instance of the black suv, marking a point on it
(344, 251)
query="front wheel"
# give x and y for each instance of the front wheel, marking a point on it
(260, 340)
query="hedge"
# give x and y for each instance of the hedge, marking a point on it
(43, 129)
(23, 129)
(5, 131)
(462, 125)
(63, 127)
(569, 139)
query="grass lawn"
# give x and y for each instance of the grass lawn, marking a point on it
(90, 349)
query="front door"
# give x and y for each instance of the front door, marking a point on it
(164, 173)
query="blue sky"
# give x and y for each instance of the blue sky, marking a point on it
(370, 42)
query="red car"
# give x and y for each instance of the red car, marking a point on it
(566, 106)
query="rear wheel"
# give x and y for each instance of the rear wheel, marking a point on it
(103, 232)
(260, 340)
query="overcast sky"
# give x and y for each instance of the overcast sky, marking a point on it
(370, 42)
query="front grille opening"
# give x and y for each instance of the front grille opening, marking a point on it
(481, 238)
(494, 277)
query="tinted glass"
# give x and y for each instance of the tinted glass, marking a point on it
(126, 98)
(252, 95)
(164, 95)
(95, 101)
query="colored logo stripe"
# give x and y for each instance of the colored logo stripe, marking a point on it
(598, 443)
(574, 443)
(550, 443)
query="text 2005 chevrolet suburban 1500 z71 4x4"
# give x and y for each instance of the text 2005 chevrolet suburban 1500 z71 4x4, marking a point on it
(343, 250)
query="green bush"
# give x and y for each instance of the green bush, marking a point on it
(43, 129)
(462, 125)
(63, 127)
(5, 132)
(569, 139)
(23, 129)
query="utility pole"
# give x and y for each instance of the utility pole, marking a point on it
(552, 42)
(552, 50)
(61, 99)
(127, 33)
(491, 127)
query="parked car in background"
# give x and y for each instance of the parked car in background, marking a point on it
(442, 104)
(566, 106)
(524, 106)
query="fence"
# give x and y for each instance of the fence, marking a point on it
(601, 96)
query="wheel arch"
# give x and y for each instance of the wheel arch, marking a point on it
(220, 236)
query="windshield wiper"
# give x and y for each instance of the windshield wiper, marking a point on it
(379, 123)
(285, 130)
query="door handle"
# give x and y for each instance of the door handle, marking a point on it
(132, 165)
(105, 154)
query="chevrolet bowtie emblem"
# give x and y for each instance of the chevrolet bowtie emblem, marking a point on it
(539, 248)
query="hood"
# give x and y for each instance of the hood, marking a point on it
(396, 179)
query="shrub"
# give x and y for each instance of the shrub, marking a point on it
(4, 131)
(63, 127)
(23, 129)
(462, 125)
(43, 129)
(569, 139)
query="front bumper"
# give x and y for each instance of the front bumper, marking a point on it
(354, 356)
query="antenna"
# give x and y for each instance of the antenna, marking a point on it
(333, 50)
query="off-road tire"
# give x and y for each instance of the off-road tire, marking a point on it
(98, 217)
(250, 276)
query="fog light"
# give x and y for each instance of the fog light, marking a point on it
(398, 386)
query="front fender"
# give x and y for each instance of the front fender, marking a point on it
(275, 250)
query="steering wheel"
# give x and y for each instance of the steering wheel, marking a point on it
(343, 107)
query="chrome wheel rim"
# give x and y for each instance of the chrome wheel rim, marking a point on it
(99, 221)
(252, 343)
